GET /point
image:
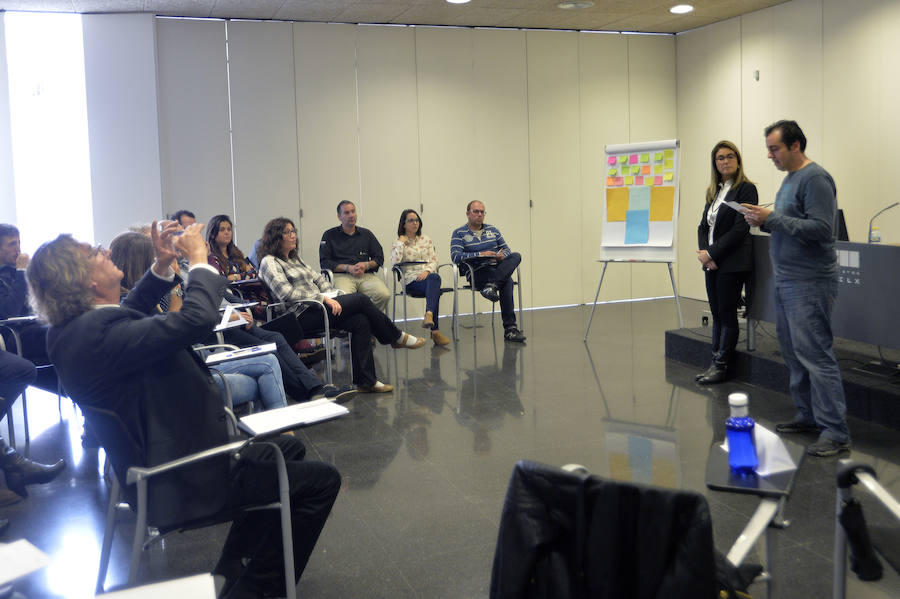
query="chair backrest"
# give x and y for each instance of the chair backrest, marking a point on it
(123, 447)
(564, 534)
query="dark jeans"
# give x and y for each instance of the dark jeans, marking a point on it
(363, 320)
(724, 292)
(15, 374)
(803, 323)
(299, 381)
(430, 289)
(501, 275)
(257, 535)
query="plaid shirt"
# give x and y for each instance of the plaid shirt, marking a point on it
(292, 280)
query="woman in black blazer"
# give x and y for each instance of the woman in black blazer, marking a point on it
(726, 253)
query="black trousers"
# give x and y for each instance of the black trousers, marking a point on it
(257, 535)
(15, 374)
(724, 292)
(501, 275)
(360, 317)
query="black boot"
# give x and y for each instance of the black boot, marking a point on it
(716, 343)
(707, 372)
(21, 471)
(718, 372)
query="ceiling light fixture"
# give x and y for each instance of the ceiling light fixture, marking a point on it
(458, 1)
(680, 9)
(574, 4)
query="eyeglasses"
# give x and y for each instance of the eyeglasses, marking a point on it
(724, 157)
(288, 232)
(473, 211)
(412, 220)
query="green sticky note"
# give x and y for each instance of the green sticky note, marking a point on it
(612, 172)
(657, 169)
(629, 180)
(670, 153)
(658, 157)
(623, 159)
(645, 157)
(635, 170)
(670, 164)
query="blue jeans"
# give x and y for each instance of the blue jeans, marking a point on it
(501, 275)
(430, 289)
(803, 310)
(252, 379)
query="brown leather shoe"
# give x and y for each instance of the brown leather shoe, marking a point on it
(428, 321)
(378, 387)
(439, 338)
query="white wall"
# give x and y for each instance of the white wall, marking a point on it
(120, 83)
(827, 64)
(7, 184)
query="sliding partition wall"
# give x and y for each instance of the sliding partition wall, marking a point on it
(412, 117)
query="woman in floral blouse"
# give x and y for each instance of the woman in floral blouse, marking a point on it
(421, 279)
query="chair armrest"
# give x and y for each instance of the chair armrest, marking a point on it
(329, 275)
(137, 473)
(271, 309)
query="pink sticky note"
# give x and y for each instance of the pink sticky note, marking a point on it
(657, 180)
(633, 159)
(611, 160)
(638, 180)
(620, 180)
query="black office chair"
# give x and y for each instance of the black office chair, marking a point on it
(122, 446)
(567, 534)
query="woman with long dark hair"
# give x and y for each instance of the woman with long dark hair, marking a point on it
(292, 280)
(412, 246)
(223, 254)
(725, 252)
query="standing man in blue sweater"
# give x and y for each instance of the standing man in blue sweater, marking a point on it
(804, 261)
(494, 276)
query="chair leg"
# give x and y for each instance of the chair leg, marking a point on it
(108, 532)
(140, 529)
(25, 419)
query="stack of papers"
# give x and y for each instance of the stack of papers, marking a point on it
(301, 414)
(246, 352)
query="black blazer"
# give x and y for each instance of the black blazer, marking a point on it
(141, 366)
(732, 247)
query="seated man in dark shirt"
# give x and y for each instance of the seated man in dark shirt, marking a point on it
(139, 364)
(14, 303)
(354, 255)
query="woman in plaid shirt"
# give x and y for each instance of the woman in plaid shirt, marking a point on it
(293, 281)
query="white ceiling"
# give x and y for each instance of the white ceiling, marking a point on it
(605, 15)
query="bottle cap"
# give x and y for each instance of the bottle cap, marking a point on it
(738, 400)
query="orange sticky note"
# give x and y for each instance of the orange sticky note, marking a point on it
(662, 202)
(645, 170)
(610, 181)
(616, 204)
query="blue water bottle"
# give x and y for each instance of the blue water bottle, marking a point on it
(739, 431)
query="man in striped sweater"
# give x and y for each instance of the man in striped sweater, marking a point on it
(493, 262)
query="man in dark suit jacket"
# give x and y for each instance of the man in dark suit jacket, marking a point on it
(126, 360)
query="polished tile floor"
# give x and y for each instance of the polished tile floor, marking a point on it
(425, 468)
